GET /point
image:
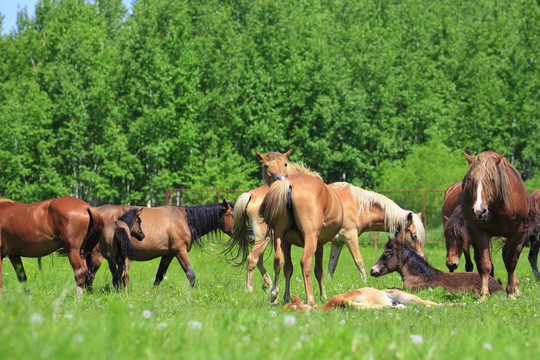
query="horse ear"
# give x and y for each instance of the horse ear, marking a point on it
(498, 159)
(287, 154)
(469, 158)
(419, 215)
(124, 210)
(260, 156)
(139, 211)
(410, 216)
(227, 204)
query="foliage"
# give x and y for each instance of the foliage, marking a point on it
(114, 107)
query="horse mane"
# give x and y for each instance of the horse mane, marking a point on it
(484, 170)
(415, 263)
(299, 168)
(456, 228)
(129, 216)
(394, 216)
(532, 224)
(203, 219)
(7, 201)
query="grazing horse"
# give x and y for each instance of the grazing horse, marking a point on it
(38, 229)
(303, 211)
(531, 231)
(457, 239)
(494, 202)
(170, 231)
(369, 211)
(115, 244)
(418, 274)
(363, 298)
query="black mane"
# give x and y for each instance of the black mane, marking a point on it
(203, 219)
(129, 217)
(413, 260)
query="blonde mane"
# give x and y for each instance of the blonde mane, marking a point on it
(494, 178)
(394, 216)
(299, 168)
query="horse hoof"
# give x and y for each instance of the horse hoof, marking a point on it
(249, 289)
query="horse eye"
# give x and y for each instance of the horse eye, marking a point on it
(265, 166)
(285, 164)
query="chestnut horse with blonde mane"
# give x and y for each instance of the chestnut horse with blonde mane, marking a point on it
(531, 231)
(369, 211)
(38, 229)
(494, 202)
(303, 211)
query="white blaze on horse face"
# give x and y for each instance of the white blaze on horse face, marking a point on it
(477, 207)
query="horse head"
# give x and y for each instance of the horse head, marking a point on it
(456, 235)
(274, 165)
(389, 260)
(483, 182)
(409, 233)
(132, 218)
(227, 215)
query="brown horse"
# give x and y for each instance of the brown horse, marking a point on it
(303, 211)
(170, 231)
(531, 231)
(115, 244)
(494, 202)
(38, 229)
(457, 239)
(369, 211)
(363, 298)
(274, 166)
(418, 274)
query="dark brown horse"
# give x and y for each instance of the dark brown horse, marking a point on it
(170, 231)
(494, 202)
(38, 229)
(115, 244)
(531, 231)
(303, 211)
(418, 274)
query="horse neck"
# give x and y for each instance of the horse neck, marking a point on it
(411, 264)
(203, 219)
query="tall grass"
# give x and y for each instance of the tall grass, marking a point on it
(218, 320)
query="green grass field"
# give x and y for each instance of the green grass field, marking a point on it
(218, 320)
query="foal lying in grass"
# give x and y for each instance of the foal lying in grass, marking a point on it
(418, 274)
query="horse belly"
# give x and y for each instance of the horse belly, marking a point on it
(29, 248)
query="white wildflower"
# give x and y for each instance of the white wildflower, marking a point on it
(195, 325)
(487, 346)
(417, 339)
(273, 314)
(162, 325)
(36, 318)
(147, 314)
(289, 320)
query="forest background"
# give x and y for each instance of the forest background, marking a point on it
(113, 106)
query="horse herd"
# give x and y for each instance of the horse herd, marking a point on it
(294, 207)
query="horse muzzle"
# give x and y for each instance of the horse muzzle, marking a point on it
(279, 177)
(480, 214)
(452, 266)
(375, 272)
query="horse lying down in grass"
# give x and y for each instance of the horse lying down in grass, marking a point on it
(418, 274)
(363, 298)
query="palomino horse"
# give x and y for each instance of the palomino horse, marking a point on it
(531, 231)
(418, 274)
(274, 166)
(369, 211)
(303, 211)
(363, 298)
(115, 244)
(456, 233)
(38, 229)
(170, 231)
(494, 202)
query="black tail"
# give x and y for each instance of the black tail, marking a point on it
(122, 240)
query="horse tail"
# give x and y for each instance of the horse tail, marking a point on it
(241, 234)
(122, 240)
(276, 202)
(94, 232)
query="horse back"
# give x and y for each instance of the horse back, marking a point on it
(451, 199)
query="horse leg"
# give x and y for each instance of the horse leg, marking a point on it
(533, 256)
(310, 247)
(483, 260)
(337, 246)
(469, 266)
(80, 270)
(255, 259)
(162, 269)
(125, 273)
(319, 273)
(287, 270)
(184, 262)
(19, 268)
(93, 262)
(351, 240)
(1, 267)
(115, 274)
(278, 263)
(511, 250)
